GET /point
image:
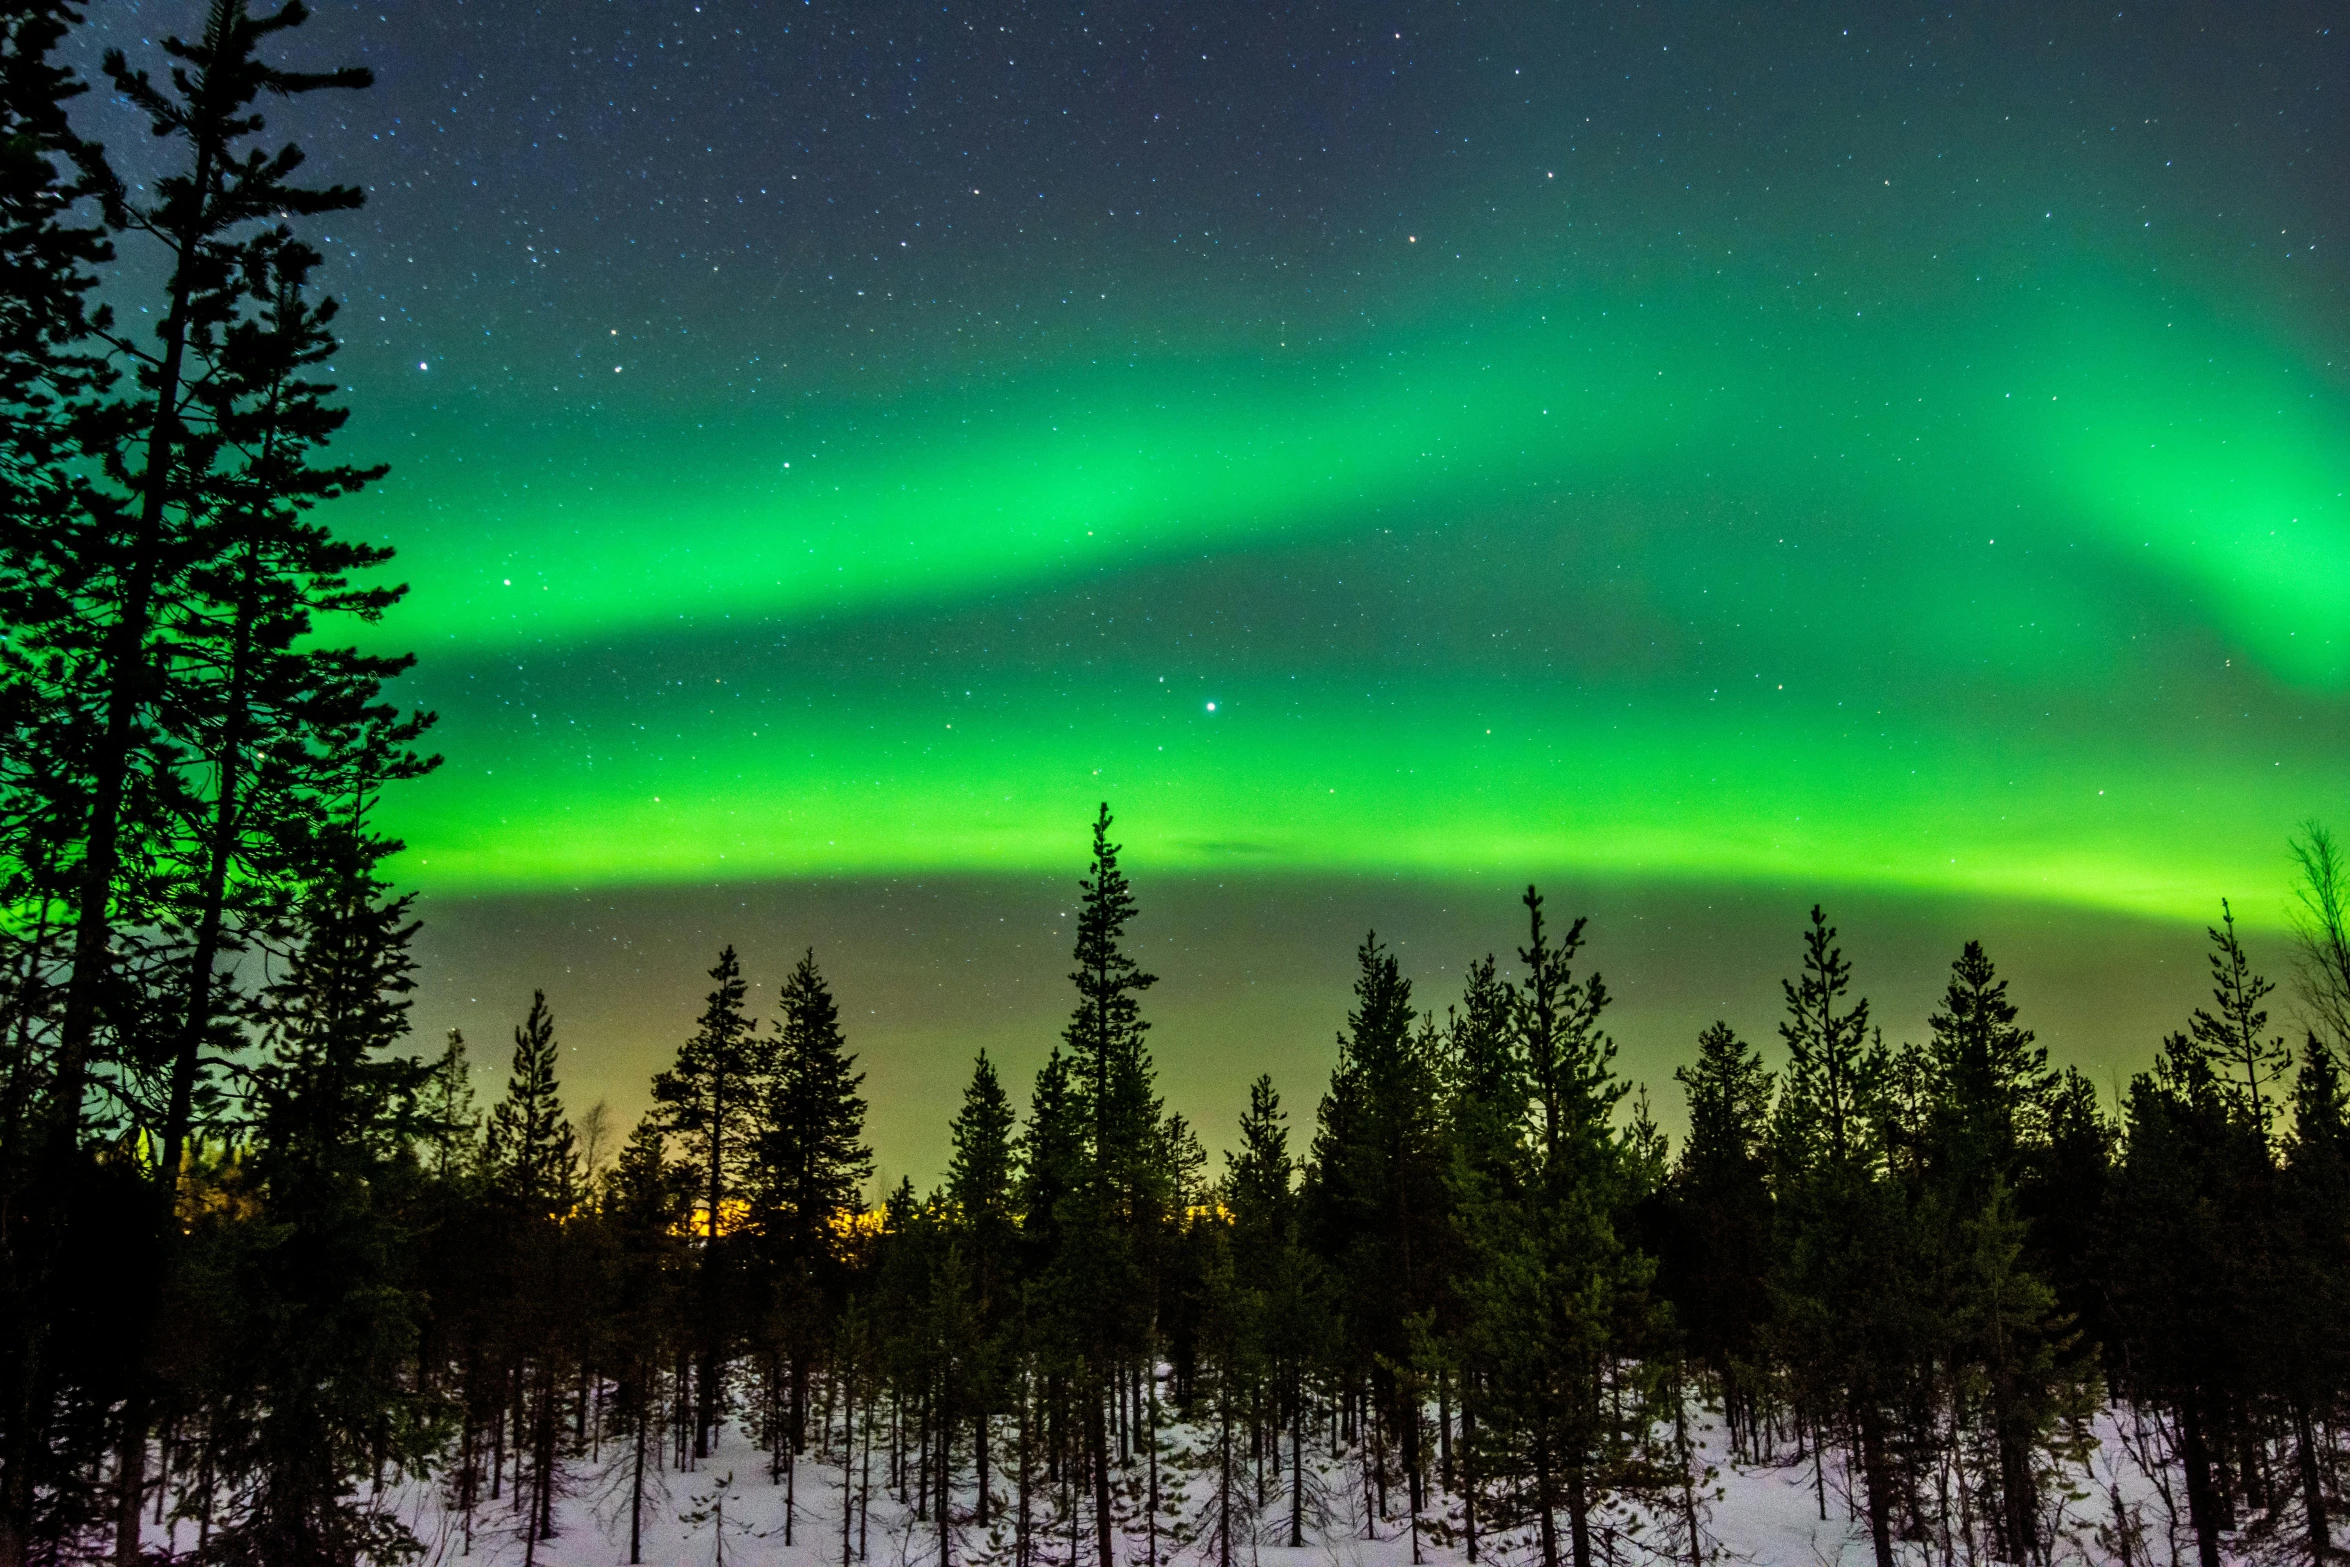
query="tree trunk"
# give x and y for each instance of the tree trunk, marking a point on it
(2313, 1490)
(1103, 1555)
(979, 1462)
(636, 1488)
(1879, 1483)
(130, 1475)
(1020, 1523)
(1546, 1502)
(127, 678)
(1469, 1465)
(2202, 1497)
(2018, 1497)
(1297, 1467)
(1579, 1510)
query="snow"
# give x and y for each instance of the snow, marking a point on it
(726, 1509)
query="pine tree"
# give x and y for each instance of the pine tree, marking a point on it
(2309, 1361)
(811, 1163)
(201, 214)
(812, 1154)
(254, 690)
(1290, 1317)
(315, 1392)
(534, 1178)
(530, 1147)
(983, 1167)
(1718, 1262)
(452, 1126)
(1104, 1270)
(1377, 1194)
(51, 372)
(980, 1190)
(2249, 1065)
(1847, 1284)
(1109, 1064)
(1987, 1132)
(2321, 897)
(709, 1101)
(1994, 1082)
(1052, 1155)
(2189, 1193)
(1560, 1349)
(644, 1207)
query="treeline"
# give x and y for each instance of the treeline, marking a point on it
(1483, 1304)
(1484, 1297)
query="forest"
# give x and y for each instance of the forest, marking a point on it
(275, 1286)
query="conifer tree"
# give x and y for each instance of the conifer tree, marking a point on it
(1847, 1289)
(984, 1164)
(1994, 1082)
(709, 1101)
(1290, 1321)
(531, 1149)
(51, 372)
(2321, 897)
(811, 1162)
(1560, 1346)
(314, 1392)
(253, 687)
(2191, 1170)
(1377, 1192)
(1052, 1152)
(201, 214)
(980, 1190)
(2311, 1363)
(2193, 1239)
(1989, 1130)
(534, 1179)
(452, 1126)
(645, 1203)
(1718, 1261)
(2249, 1066)
(1122, 1193)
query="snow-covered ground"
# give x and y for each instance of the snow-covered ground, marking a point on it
(725, 1509)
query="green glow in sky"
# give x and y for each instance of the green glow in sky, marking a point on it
(2026, 594)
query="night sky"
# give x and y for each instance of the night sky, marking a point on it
(1703, 457)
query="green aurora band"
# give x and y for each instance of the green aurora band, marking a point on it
(2028, 588)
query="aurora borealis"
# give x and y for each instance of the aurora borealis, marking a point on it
(1798, 449)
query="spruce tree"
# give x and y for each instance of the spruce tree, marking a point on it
(645, 1203)
(812, 1154)
(811, 1162)
(2187, 1187)
(980, 1190)
(1994, 1083)
(315, 1393)
(1986, 1138)
(1105, 1270)
(1847, 1283)
(530, 1147)
(1377, 1192)
(1717, 1262)
(1561, 1344)
(709, 1102)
